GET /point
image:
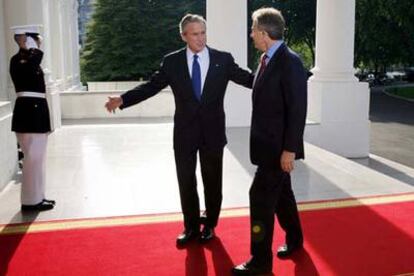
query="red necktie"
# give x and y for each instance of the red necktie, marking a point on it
(262, 65)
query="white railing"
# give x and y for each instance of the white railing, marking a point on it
(111, 85)
(90, 105)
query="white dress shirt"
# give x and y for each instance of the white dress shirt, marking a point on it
(203, 60)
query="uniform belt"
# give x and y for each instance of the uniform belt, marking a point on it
(31, 94)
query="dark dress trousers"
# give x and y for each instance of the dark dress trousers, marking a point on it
(199, 126)
(30, 114)
(278, 120)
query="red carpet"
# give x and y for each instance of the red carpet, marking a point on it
(364, 240)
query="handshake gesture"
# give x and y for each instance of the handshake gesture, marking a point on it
(113, 103)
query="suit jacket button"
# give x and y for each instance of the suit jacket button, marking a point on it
(35, 105)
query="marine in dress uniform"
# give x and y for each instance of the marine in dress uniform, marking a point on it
(31, 119)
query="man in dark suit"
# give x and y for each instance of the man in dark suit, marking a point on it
(276, 140)
(198, 76)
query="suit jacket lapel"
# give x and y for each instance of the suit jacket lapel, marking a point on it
(210, 74)
(270, 66)
(183, 67)
(256, 74)
(269, 70)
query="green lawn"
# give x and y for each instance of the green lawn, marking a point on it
(405, 92)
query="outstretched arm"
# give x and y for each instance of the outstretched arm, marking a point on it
(157, 82)
(113, 103)
(239, 75)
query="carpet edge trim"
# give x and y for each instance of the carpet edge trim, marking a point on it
(225, 213)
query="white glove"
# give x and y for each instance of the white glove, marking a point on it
(31, 43)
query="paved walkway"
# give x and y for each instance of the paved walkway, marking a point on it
(97, 170)
(392, 127)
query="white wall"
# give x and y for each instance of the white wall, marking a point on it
(3, 58)
(8, 149)
(87, 105)
(8, 145)
(75, 46)
(56, 41)
(111, 85)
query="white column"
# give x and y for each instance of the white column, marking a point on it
(57, 71)
(336, 99)
(76, 84)
(68, 43)
(8, 144)
(52, 89)
(227, 31)
(71, 45)
(335, 27)
(60, 45)
(47, 43)
(64, 27)
(4, 60)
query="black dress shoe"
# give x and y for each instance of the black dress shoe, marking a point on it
(286, 250)
(53, 202)
(42, 206)
(207, 234)
(250, 268)
(187, 236)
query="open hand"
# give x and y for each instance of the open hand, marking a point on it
(113, 103)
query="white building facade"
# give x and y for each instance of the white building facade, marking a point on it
(338, 104)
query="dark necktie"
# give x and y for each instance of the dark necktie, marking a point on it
(196, 78)
(262, 65)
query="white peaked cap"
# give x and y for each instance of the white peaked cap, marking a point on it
(33, 29)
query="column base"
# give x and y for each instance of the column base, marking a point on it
(342, 111)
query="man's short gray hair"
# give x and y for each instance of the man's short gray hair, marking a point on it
(271, 21)
(190, 18)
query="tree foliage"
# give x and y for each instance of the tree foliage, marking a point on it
(384, 34)
(127, 39)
